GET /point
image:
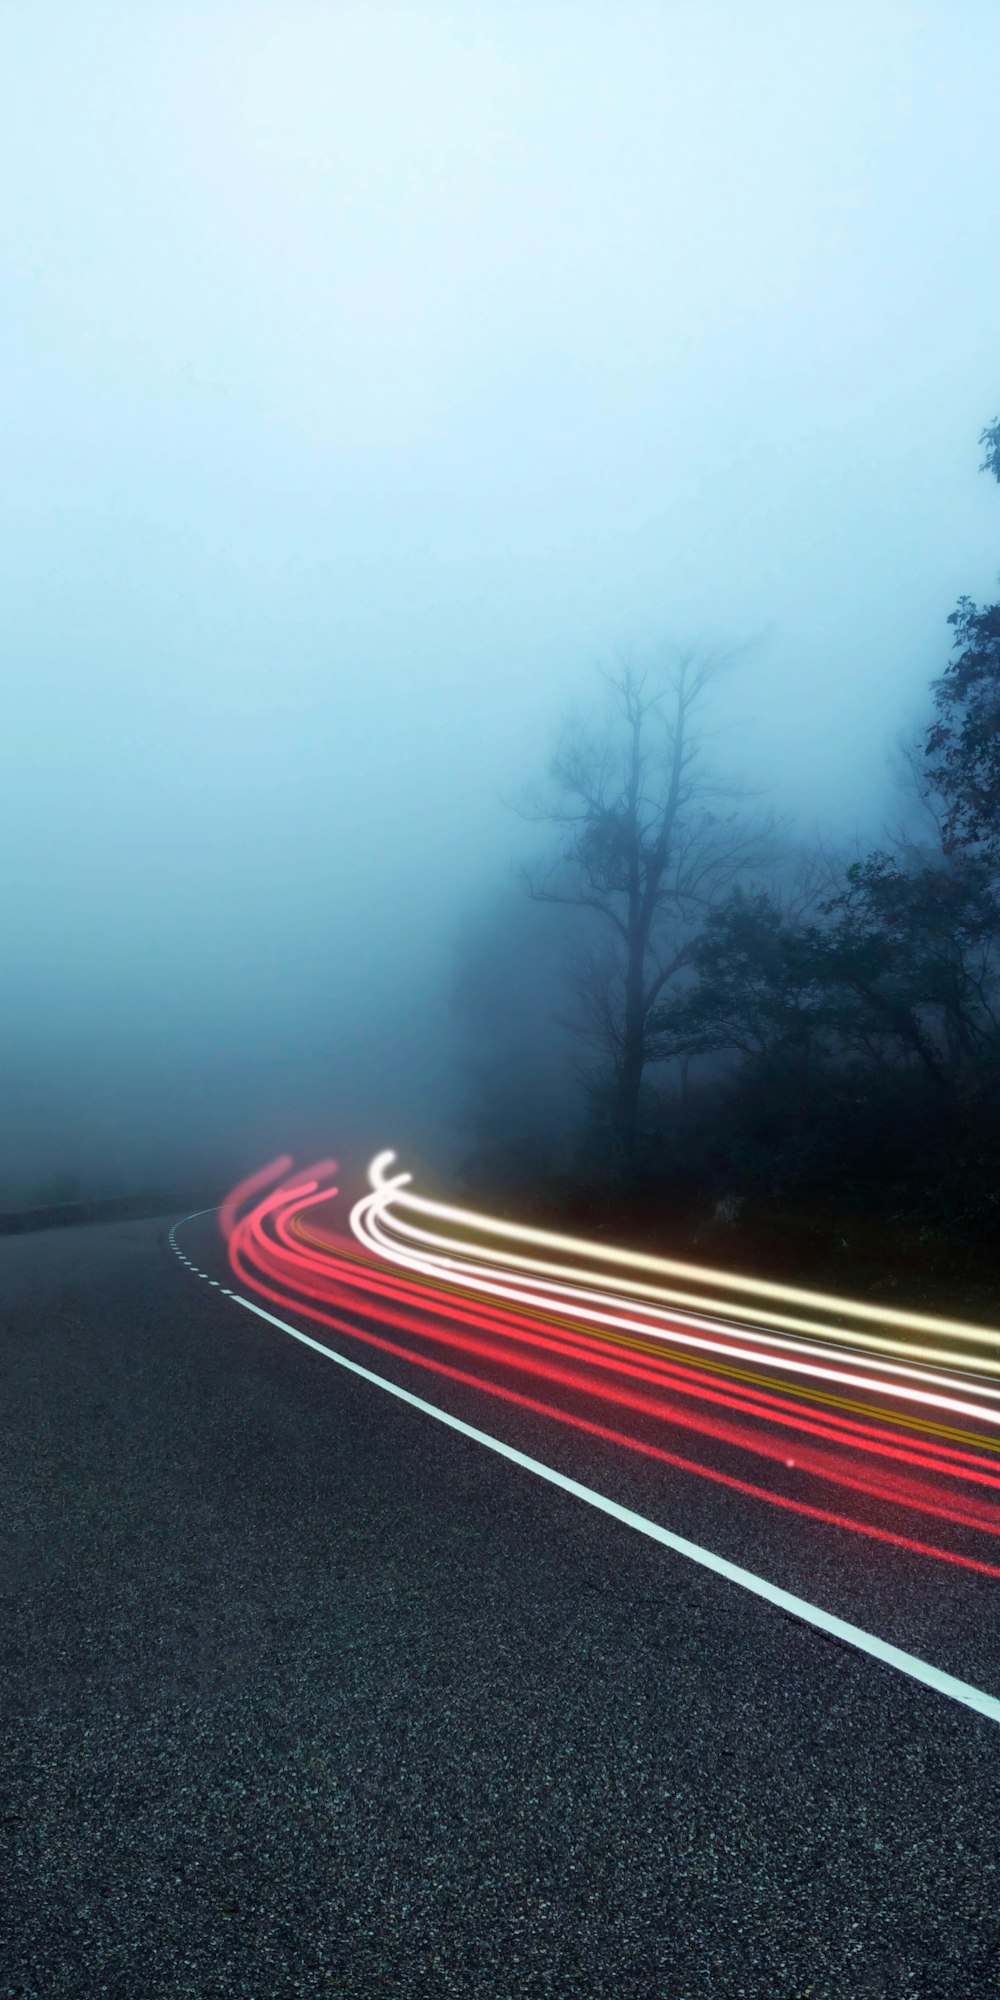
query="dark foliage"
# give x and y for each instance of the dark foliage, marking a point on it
(830, 1094)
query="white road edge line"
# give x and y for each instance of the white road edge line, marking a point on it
(784, 1600)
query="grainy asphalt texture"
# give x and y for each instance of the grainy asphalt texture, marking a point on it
(304, 1694)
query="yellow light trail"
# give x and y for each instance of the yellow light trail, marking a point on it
(725, 1370)
(395, 1198)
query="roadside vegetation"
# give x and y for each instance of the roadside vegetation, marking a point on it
(693, 1030)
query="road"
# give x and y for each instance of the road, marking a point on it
(307, 1693)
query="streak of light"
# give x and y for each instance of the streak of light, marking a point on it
(692, 1358)
(506, 1394)
(267, 1252)
(371, 1220)
(634, 1260)
(810, 1614)
(678, 1374)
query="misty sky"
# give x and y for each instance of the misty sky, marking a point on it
(370, 375)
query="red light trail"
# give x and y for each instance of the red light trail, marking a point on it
(611, 1345)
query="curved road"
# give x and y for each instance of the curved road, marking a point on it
(308, 1693)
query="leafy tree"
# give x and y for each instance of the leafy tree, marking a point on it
(963, 744)
(836, 1052)
(914, 947)
(900, 971)
(990, 437)
(755, 988)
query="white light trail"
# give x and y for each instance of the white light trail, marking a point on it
(909, 1664)
(379, 1229)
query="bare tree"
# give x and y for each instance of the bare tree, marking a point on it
(647, 845)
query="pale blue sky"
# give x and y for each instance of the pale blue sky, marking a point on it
(369, 374)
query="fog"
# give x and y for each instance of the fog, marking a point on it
(370, 375)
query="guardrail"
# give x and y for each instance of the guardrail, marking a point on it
(120, 1208)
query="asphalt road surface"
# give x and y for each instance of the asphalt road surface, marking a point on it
(305, 1693)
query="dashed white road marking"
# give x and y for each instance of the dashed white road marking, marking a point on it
(977, 1699)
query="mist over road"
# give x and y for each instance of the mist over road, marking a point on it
(501, 659)
(307, 1693)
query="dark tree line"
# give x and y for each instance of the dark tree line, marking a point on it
(863, 1035)
(808, 1059)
